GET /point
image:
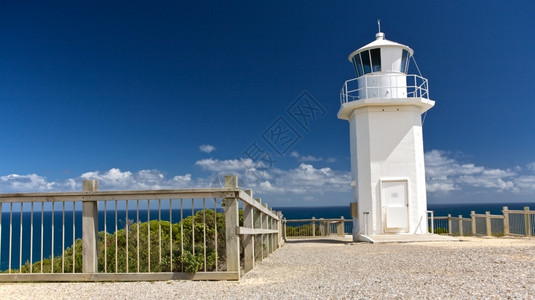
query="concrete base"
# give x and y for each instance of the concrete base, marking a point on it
(404, 238)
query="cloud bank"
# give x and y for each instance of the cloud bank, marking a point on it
(446, 175)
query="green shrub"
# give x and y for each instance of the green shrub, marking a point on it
(304, 230)
(440, 230)
(182, 247)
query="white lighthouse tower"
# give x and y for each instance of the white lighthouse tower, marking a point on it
(383, 105)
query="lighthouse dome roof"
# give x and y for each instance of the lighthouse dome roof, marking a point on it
(380, 42)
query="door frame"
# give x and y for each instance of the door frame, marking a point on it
(404, 180)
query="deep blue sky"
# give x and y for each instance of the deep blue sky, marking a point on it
(127, 92)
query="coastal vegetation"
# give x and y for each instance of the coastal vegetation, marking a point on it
(193, 244)
(304, 230)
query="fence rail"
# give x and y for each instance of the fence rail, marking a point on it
(321, 227)
(511, 222)
(144, 235)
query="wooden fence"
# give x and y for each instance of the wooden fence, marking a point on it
(55, 236)
(311, 228)
(511, 222)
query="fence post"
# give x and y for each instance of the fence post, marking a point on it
(265, 237)
(488, 223)
(461, 231)
(432, 220)
(505, 211)
(450, 230)
(248, 239)
(89, 230)
(284, 230)
(269, 235)
(313, 226)
(474, 224)
(279, 229)
(257, 218)
(231, 225)
(527, 221)
(273, 235)
(340, 228)
(322, 227)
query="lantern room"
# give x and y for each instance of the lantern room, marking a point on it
(381, 56)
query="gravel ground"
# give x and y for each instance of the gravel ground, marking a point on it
(472, 268)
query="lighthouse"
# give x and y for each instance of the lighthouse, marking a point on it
(384, 107)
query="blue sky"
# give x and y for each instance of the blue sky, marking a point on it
(171, 95)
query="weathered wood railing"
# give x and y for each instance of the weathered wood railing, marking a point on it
(205, 244)
(512, 222)
(316, 227)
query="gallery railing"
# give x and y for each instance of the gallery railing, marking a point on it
(397, 86)
(135, 235)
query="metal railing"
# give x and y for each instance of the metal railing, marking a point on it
(135, 235)
(317, 227)
(512, 222)
(413, 87)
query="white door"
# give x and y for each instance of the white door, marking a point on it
(395, 206)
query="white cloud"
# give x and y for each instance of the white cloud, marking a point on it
(311, 158)
(230, 165)
(531, 166)
(28, 183)
(206, 148)
(525, 184)
(305, 158)
(445, 174)
(441, 186)
(306, 179)
(15, 183)
(303, 179)
(309, 198)
(115, 179)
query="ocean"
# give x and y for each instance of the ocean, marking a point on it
(438, 209)
(288, 212)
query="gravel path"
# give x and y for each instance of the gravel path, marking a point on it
(472, 268)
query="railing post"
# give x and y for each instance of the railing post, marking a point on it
(506, 230)
(450, 230)
(322, 227)
(265, 237)
(280, 227)
(474, 224)
(313, 226)
(257, 220)
(269, 235)
(432, 220)
(231, 225)
(340, 228)
(248, 239)
(89, 230)
(461, 231)
(488, 223)
(273, 235)
(284, 230)
(527, 221)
